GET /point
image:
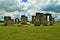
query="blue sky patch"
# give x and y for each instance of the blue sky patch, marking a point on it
(24, 0)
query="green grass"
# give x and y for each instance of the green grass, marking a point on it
(30, 32)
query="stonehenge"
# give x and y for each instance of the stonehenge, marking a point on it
(23, 19)
(41, 19)
(8, 21)
(33, 17)
(12, 21)
(17, 21)
(37, 20)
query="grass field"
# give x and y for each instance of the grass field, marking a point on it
(30, 32)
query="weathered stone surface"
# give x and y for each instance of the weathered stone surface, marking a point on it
(37, 21)
(12, 21)
(50, 18)
(33, 19)
(52, 21)
(23, 19)
(41, 18)
(7, 20)
(17, 21)
(26, 19)
(44, 20)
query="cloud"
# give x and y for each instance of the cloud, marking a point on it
(16, 8)
(9, 5)
(52, 7)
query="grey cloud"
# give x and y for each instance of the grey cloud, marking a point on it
(52, 7)
(9, 6)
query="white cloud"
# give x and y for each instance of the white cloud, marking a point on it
(15, 8)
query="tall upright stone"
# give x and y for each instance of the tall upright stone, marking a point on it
(41, 18)
(7, 20)
(51, 20)
(17, 21)
(26, 19)
(45, 20)
(23, 19)
(12, 21)
(33, 19)
(37, 19)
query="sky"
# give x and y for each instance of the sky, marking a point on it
(16, 8)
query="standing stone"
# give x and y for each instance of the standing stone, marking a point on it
(52, 21)
(7, 20)
(12, 21)
(23, 19)
(33, 19)
(41, 18)
(26, 19)
(45, 20)
(37, 21)
(17, 21)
